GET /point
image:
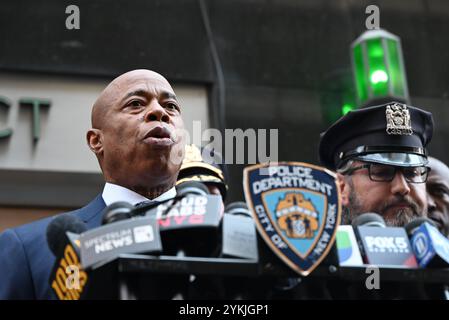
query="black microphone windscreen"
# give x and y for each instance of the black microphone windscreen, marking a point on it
(412, 225)
(238, 208)
(369, 219)
(56, 231)
(117, 211)
(192, 187)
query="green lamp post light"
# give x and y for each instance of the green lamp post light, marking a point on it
(378, 68)
(337, 95)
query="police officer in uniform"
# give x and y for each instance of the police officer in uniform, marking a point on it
(379, 154)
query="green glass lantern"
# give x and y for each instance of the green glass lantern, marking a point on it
(378, 68)
(337, 96)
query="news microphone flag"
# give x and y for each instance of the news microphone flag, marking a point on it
(347, 247)
(430, 246)
(136, 235)
(388, 246)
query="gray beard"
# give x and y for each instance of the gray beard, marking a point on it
(400, 219)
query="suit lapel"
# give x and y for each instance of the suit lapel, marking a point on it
(91, 214)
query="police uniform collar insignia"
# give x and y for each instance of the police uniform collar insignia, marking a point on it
(398, 120)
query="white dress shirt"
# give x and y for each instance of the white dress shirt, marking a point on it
(113, 193)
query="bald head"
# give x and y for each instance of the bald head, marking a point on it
(137, 132)
(115, 89)
(438, 168)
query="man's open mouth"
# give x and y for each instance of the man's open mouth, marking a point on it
(160, 136)
(158, 132)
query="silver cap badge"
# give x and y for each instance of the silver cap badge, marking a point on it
(398, 120)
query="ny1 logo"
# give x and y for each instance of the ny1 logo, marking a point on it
(35, 105)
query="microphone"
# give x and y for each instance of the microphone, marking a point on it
(430, 246)
(348, 251)
(117, 211)
(190, 224)
(67, 278)
(413, 225)
(120, 233)
(192, 187)
(56, 232)
(240, 240)
(238, 208)
(381, 245)
(239, 232)
(369, 219)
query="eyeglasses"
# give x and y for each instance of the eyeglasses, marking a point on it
(386, 173)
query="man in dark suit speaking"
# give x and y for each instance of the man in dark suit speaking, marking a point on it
(137, 136)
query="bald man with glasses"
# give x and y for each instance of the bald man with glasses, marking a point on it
(379, 154)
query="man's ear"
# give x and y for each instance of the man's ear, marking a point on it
(345, 189)
(95, 141)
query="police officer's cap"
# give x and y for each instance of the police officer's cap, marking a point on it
(203, 167)
(393, 134)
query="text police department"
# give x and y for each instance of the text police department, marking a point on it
(298, 177)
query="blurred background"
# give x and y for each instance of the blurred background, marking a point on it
(284, 64)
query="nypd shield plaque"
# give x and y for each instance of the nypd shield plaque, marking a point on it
(297, 210)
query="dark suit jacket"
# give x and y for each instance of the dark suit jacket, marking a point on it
(26, 260)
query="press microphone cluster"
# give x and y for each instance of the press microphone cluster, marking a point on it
(193, 224)
(162, 228)
(370, 241)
